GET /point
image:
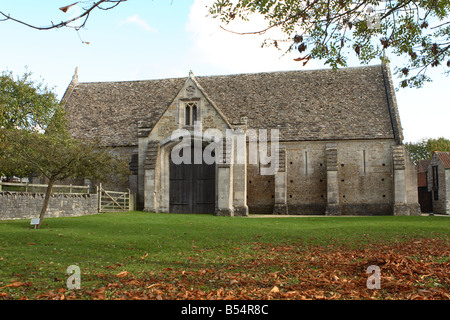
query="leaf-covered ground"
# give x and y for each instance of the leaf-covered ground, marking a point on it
(412, 269)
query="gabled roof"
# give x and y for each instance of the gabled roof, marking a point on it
(422, 165)
(350, 103)
(444, 157)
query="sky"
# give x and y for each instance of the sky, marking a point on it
(155, 39)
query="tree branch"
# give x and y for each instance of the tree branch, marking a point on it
(66, 23)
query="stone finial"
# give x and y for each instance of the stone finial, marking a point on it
(75, 75)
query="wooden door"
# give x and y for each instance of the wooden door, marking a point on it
(192, 187)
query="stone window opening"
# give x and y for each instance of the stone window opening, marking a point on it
(364, 162)
(435, 177)
(191, 113)
(188, 115)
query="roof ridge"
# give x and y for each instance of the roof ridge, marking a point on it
(232, 74)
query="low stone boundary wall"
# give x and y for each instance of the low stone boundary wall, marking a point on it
(22, 205)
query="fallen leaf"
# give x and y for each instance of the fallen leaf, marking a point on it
(275, 290)
(18, 284)
(144, 256)
(122, 274)
(132, 282)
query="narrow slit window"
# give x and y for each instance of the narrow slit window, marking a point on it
(188, 115)
(364, 161)
(194, 114)
(306, 162)
(435, 177)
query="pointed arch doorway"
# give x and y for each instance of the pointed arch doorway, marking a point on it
(192, 187)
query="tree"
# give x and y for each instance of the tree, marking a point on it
(424, 148)
(24, 103)
(334, 30)
(81, 19)
(56, 156)
(34, 139)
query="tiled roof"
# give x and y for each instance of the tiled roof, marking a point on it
(444, 157)
(349, 103)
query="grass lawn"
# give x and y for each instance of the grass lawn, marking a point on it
(140, 255)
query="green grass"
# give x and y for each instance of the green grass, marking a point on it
(143, 242)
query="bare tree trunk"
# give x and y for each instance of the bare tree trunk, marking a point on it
(48, 193)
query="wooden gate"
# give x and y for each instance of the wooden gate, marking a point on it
(114, 201)
(192, 187)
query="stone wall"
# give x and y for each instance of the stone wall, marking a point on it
(364, 171)
(16, 205)
(442, 204)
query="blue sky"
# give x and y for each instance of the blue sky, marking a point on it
(152, 39)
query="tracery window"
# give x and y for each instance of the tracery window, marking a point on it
(191, 113)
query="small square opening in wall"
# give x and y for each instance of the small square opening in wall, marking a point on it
(290, 196)
(384, 164)
(292, 181)
(342, 164)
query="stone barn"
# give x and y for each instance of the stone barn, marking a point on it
(319, 142)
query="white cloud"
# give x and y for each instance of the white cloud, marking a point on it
(135, 19)
(237, 53)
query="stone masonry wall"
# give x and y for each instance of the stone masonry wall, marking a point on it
(442, 205)
(365, 178)
(15, 205)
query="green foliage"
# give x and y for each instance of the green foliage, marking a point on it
(334, 30)
(24, 103)
(57, 156)
(424, 148)
(34, 139)
(27, 106)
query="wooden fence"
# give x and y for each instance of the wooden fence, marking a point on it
(42, 188)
